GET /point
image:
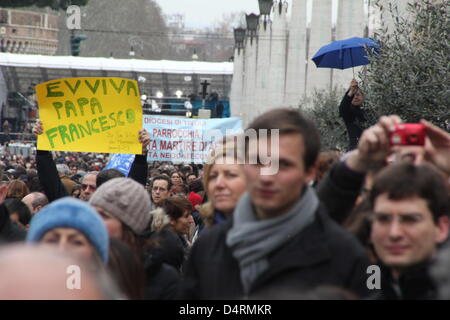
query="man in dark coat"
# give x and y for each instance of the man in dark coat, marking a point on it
(410, 220)
(280, 238)
(350, 111)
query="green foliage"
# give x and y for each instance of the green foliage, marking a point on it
(54, 4)
(324, 111)
(410, 75)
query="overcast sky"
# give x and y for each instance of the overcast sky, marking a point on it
(202, 13)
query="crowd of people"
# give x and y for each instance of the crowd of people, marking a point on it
(224, 230)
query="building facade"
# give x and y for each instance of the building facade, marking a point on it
(28, 32)
(275, 69)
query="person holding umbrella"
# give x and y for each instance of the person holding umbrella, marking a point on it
(344, 54)
(350, 110)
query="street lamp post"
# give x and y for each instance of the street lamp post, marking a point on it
(195, 55)
(136, 42)
(132, 53)
(239, 37)
(252, 25)
(265, 6)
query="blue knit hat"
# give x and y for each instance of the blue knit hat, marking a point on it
(71, 213)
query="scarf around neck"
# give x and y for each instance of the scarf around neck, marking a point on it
(252, 240)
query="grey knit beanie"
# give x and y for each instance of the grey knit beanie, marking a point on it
(126, 200)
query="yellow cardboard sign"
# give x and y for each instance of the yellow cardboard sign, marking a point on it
(90, 115)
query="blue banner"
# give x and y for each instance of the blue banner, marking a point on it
(184, 139)
(121, 162)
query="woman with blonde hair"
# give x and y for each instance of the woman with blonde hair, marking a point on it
(224, 182)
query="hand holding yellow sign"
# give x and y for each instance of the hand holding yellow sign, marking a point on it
(90, 115)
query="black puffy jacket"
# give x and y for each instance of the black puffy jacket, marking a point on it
(162, 279)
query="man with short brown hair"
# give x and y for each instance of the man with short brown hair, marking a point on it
(410, 220)
(280, 237)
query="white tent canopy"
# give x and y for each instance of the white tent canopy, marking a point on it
(111, 64)
(21, 72)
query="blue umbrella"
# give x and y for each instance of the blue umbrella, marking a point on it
(343, 54)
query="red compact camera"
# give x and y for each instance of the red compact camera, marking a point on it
(408, 134)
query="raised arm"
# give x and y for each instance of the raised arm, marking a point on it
(139, 168)
(345, 108)
(437, 147)
(47, 173)
(340, 188)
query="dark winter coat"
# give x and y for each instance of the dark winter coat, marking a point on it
(321, 254)
(352, 116)
(338, 191)
(212, 218)
(413, 284)
(174, 249)
(162, 279)
(163, 257)
(9, 231)
(198, 220)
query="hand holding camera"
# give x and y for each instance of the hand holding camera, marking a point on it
(407, 134)
(420, 141)
(374, 145)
